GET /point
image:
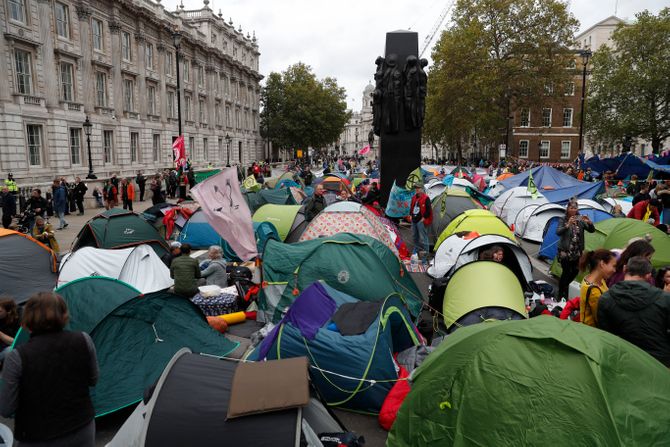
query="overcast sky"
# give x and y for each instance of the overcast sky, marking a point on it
(342, 38)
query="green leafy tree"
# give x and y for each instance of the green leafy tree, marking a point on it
(300, 111)
(497, 55)
(629, 92)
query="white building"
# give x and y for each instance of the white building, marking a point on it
(114, 61)
(356, 131)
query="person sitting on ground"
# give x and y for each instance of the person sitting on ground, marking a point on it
(185, 271)
(44, 232)
(48, 379)
(663, 279)
(639, 247)
(315, 204)
(617, 211)
(215, 272)
(175, 250)
(9, 324)
(646, 211)
(638, 312)
(600, 264)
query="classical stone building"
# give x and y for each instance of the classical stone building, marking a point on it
(114, 61)
(355, 134)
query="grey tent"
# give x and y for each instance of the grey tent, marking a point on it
(189, 406)
(26, 266)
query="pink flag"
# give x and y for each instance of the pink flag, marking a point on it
(365, 150)
(179, 150)
(227, 212)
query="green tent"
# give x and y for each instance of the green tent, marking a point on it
(255, 200)
(481, 221)
(615, 233)
(289, 220)
(201, 176)
(542, 381)
(135, 336)
(117, 228)
(357, 265)
(466, 292)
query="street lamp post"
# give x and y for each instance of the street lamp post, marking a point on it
(176, 39)
(228, 140)
(586, 55)
(88, 128)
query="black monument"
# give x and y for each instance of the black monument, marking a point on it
(398, 107)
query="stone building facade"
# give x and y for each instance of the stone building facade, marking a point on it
(114, 61)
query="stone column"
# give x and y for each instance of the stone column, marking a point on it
(51, 92)
(162, 55)
(141, 81)
(88, 86)
(117, 80)
(210, 85)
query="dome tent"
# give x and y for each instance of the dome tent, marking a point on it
(555, 185)
(523, 366)
(363, 350)
(468, 299)
(357, 265)
(134, 335)
(26, 266)
(446, 207)
(479, 221)
(289, 220)
(511, 202)
(456, 251)
(117, 228)
(532, 219)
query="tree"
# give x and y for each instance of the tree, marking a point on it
(498, 55)
(300, 111)
(630, 86)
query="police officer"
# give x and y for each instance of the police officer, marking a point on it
(11, 185)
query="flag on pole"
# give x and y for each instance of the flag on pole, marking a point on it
(179, 151)
(365, 150)
(532, 189)
(227, 212)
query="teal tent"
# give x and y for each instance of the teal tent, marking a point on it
(357, 265)
(256, 200)
(135, 336)
(542, 381)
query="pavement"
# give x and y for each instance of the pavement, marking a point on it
(107, 426)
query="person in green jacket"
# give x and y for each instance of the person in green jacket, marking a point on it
(185, 271)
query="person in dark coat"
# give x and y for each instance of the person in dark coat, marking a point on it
(185, 271)
(47, 379)
(8, 206)
(315, 204)
(638, 312)
(60, 203)
(571, 229)
(156, 192)
(642, 195)
(80, 189)
(141, 181)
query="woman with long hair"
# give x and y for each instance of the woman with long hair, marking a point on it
(663, 279)
(600, 264)
(640, 247)
(571, 229)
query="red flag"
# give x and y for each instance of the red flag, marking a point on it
(365, 150)
(179, 150)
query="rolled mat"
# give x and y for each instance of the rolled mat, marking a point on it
(234, 318)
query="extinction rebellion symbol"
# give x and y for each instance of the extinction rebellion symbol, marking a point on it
(343, 277)
(128, 231)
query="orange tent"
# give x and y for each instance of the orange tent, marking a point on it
(504, 176)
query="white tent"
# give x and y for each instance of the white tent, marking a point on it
(434, 188)
(532, 219)
(512, 201)
(464, 184)
(455, 252)
(495, 188)
(610, 203)
(138, 266)
(588, 203)
(344, 205)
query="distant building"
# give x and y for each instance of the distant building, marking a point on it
(114, 61)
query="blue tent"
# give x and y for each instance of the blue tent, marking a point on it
(343, 338)
(549, 247)
(556, 186)
(623, 166)
(200, 235)
(658, 167)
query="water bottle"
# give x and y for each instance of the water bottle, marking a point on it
(414, 261)
(542, 298)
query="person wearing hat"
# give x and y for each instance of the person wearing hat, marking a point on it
(422, 216)
(11, 185)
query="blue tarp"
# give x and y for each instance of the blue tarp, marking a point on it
(623, 166)
(549, 247)
(556, 186)
(657, 167)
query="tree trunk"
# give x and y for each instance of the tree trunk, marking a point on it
(656, 144)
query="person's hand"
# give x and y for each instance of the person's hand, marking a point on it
(586, 219)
